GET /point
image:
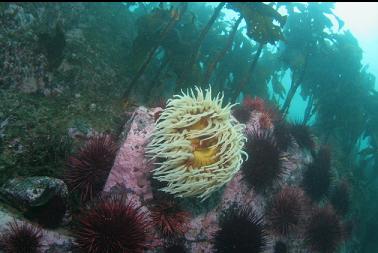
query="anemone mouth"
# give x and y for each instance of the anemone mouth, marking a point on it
(200, 143)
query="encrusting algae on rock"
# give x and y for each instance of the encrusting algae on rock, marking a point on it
(197, 144)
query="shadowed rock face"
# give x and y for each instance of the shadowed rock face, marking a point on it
(40, 198)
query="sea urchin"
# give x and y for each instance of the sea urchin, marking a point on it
(169, 219)
(317, 177)
(266, 163)
(241, 230)
(324, 231)
(286, 210)
(113, 225)
(303, 135)
(89, 169)
(21, 238)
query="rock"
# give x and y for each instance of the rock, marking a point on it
(53, 242)
(66, 246)
(29, 85)
(131, 169)
(131, 174)
(39, 198)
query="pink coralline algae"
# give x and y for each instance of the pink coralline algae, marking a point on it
(131, 168)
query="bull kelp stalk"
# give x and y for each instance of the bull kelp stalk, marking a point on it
(295, 83)
(248, 75)
(171, 24)
(156, 77)
(196, 48)
(222, 53)
(261, 28)
(310, 109)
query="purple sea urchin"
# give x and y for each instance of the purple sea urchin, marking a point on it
(21, 238)
(286, 210)
(324, 231)
(317, 177)
(89, 169)
(282, 135)
(266, 162)
(241, 113)
(241, 230)
(113, 225)
(302, 135)
(280, 247)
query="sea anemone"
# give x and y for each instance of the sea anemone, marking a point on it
(241, 230)
(302, 135)
(89, 169)
(198, 143)
(169, 219)
(266, 163)
(112, 225)
(340, 197)
(21, 238)
(286, 210)
(324, 231)
(317, 177)
(280, 247)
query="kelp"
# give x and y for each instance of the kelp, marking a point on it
(175, 17)
(261, 27)
(260, 19)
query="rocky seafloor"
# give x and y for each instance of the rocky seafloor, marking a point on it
(131, 175)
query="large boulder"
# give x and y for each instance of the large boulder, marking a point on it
(39, 198)
(132, 173)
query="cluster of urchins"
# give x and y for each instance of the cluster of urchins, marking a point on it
(310, 213)
(113, 224)
(109, 223)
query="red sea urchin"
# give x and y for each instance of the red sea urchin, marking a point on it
(113, 225)
(241, 230)
(265, 164)
(324, 231)
(256, 103)
(169, 219)
(21, 238)
(286, 210)
(89, 169)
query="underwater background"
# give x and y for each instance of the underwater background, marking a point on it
(188, 127)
